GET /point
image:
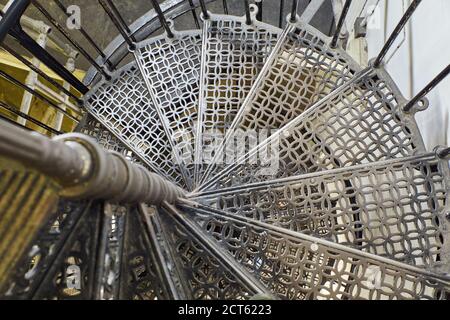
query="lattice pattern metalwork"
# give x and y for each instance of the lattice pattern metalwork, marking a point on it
(71, 276)
(205, 276)
(33, 267)
(171, 67)
(299, 72)
(360, 124)
(124, 107)
(393, 208)
(233, 55)
(296, 266)
(105, 138)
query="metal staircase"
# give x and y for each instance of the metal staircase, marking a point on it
(330, 193)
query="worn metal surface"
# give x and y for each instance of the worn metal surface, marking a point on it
(297, 266)
(359, 122)
(124, 107)
(233, 55)
(393, 208)
(171, 67)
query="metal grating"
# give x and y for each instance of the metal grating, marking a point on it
(233, 55)
(171, 68)
(123, 106)
(297, 266)
(301, 70)
(359, 123)
(392, 208)
(204, 275)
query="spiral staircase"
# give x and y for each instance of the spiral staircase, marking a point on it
(339, 199)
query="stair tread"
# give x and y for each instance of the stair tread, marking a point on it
(392, 208)
(206, 276)
(359, 123)
(124, 107)
(233, 55)
(297, 266)
(171, 68)
(300, 71)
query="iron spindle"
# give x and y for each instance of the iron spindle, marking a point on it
(70, 39)
(294, 11)
(280, 21)
(194, 14)
(40, 72)
(259, 15)
(204, 9)
(225, 6)
(36, 94)
(441, 76)
(10, 23)
(248, 16)
(86, 36)
(120, 19)
(340, 23)
(12, 17)
(162, 19)
(117, 23)
(396, 32)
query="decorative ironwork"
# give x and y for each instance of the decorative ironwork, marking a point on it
(360, 123)
(297, 266)
(141, 276)
(72, 272)
(33, 266)
(392, 208)
(204, 275)
(124, 107)
(348, 206)
(110, 252)
(171, 69)
(106, 139)
(233, 55)
(301, 70)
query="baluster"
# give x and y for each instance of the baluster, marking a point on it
(162, 18)
(248, 16)
(441, 76)
(194, 14)
(86, 36)
(204, 9)
(294, 11)
(340, 23)
(396, 32)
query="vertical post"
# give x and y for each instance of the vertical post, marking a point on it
(162, 18)
(116, 22)
(280, 21)
(294, 11)
(204, 9)
(396, 32)
(194, 14)
(225, 6)
(259, 4)
(248, 16)
(444, 73)
(340, 23)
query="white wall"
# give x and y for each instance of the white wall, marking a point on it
(424, 52)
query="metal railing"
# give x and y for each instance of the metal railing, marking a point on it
(109, 59)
